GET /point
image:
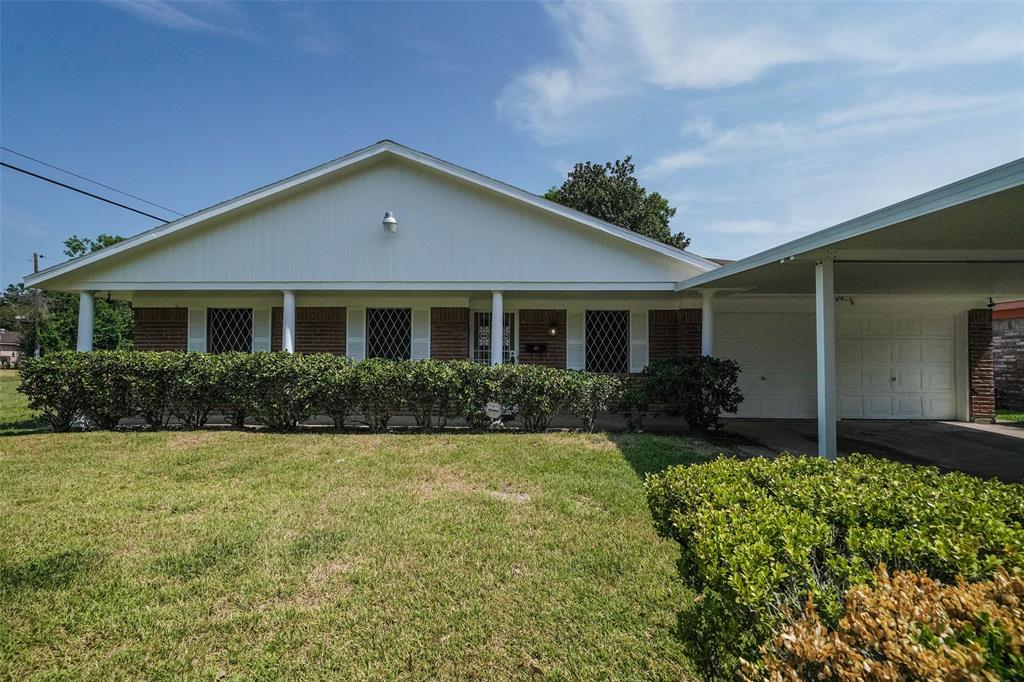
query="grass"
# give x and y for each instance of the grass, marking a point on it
(1010, 416)
(230, 554)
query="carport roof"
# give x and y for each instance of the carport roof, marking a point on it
(966, 238)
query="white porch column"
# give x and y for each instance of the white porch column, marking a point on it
(86, 306)
(825, 322)
(497, 326)
(707, 323)
(288, 323)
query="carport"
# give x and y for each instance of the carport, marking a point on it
(886, 316)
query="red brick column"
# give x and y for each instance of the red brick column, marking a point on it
(980, 366)
(449, 333)
(160, 329)
(674, 333)
(317, 329)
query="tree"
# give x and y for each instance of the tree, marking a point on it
(612, 193)
(54, 314)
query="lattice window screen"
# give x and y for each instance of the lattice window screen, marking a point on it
(608, 341)
(228, 329)
(389, 333)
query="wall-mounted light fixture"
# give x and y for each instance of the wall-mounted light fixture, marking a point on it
(991, 303)
(390, 222)
(552, 328)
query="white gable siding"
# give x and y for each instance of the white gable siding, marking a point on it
(448, 232)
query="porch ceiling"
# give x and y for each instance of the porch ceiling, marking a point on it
(948, 241)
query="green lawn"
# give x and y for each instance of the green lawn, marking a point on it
(247, 555)
(1008, 416)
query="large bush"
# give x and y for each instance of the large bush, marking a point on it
(759, 536)
(699, 388)
(282, 390)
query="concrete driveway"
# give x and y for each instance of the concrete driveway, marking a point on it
(985, 450)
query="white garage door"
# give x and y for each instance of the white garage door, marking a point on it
(889, 365)
(896, 366)
(776, 353)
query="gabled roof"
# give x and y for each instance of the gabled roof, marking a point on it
(380, 149)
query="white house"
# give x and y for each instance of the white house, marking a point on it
(390, 252)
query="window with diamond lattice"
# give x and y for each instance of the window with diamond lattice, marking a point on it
(608, 341)
(389, 333)
(228, 329)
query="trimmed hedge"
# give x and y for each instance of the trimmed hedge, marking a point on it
(282, 390)
(759, 536)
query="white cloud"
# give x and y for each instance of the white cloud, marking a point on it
(619, 50)
(207, 17)
(877, 115)
(313, 35)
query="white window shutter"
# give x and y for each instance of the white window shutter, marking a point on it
(420, 333)
(638, 346)
(575, 350)
(355, 333)
(261, 330)
(197, 330)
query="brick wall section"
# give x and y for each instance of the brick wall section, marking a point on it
(534, 327)
(1008, 362)
(161, 328)
(980, 365)
(674, 333)
(449, 333)
(317, 330)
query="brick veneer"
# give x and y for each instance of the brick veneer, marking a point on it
(1008, 362)
(161, 329)
(534, 328)
(980, 365)
(449, 333)
(674, 333)
(317, 330)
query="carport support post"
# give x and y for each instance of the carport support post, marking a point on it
(86, 305)
(825, 322)
(288, 323)
(707, 323)
(497, 326)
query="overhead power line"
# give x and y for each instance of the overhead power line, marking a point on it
(81, 191)
(95, 182)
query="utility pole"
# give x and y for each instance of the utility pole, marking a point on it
(35, 261)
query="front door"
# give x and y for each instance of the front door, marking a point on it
(482, 338)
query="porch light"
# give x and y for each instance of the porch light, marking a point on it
(390, 223)
(552, 328)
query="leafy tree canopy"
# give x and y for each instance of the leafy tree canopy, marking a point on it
(612, 193)
(51, 317)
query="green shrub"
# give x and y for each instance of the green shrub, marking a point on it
(589, 395)
(758, 536)
(51, 385)
(151, 376)
(533, 392)
(282, 389)
(331, 385)
(105, 381)
(199, 389)
(699, 388)
(381, 387)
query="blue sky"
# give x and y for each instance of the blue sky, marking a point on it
(760, 122)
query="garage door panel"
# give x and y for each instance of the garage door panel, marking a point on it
(889, 365)
(909, 406)
(873, 352)
(907, 351)
(878, 326)
(937, 351)
(909, 379)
